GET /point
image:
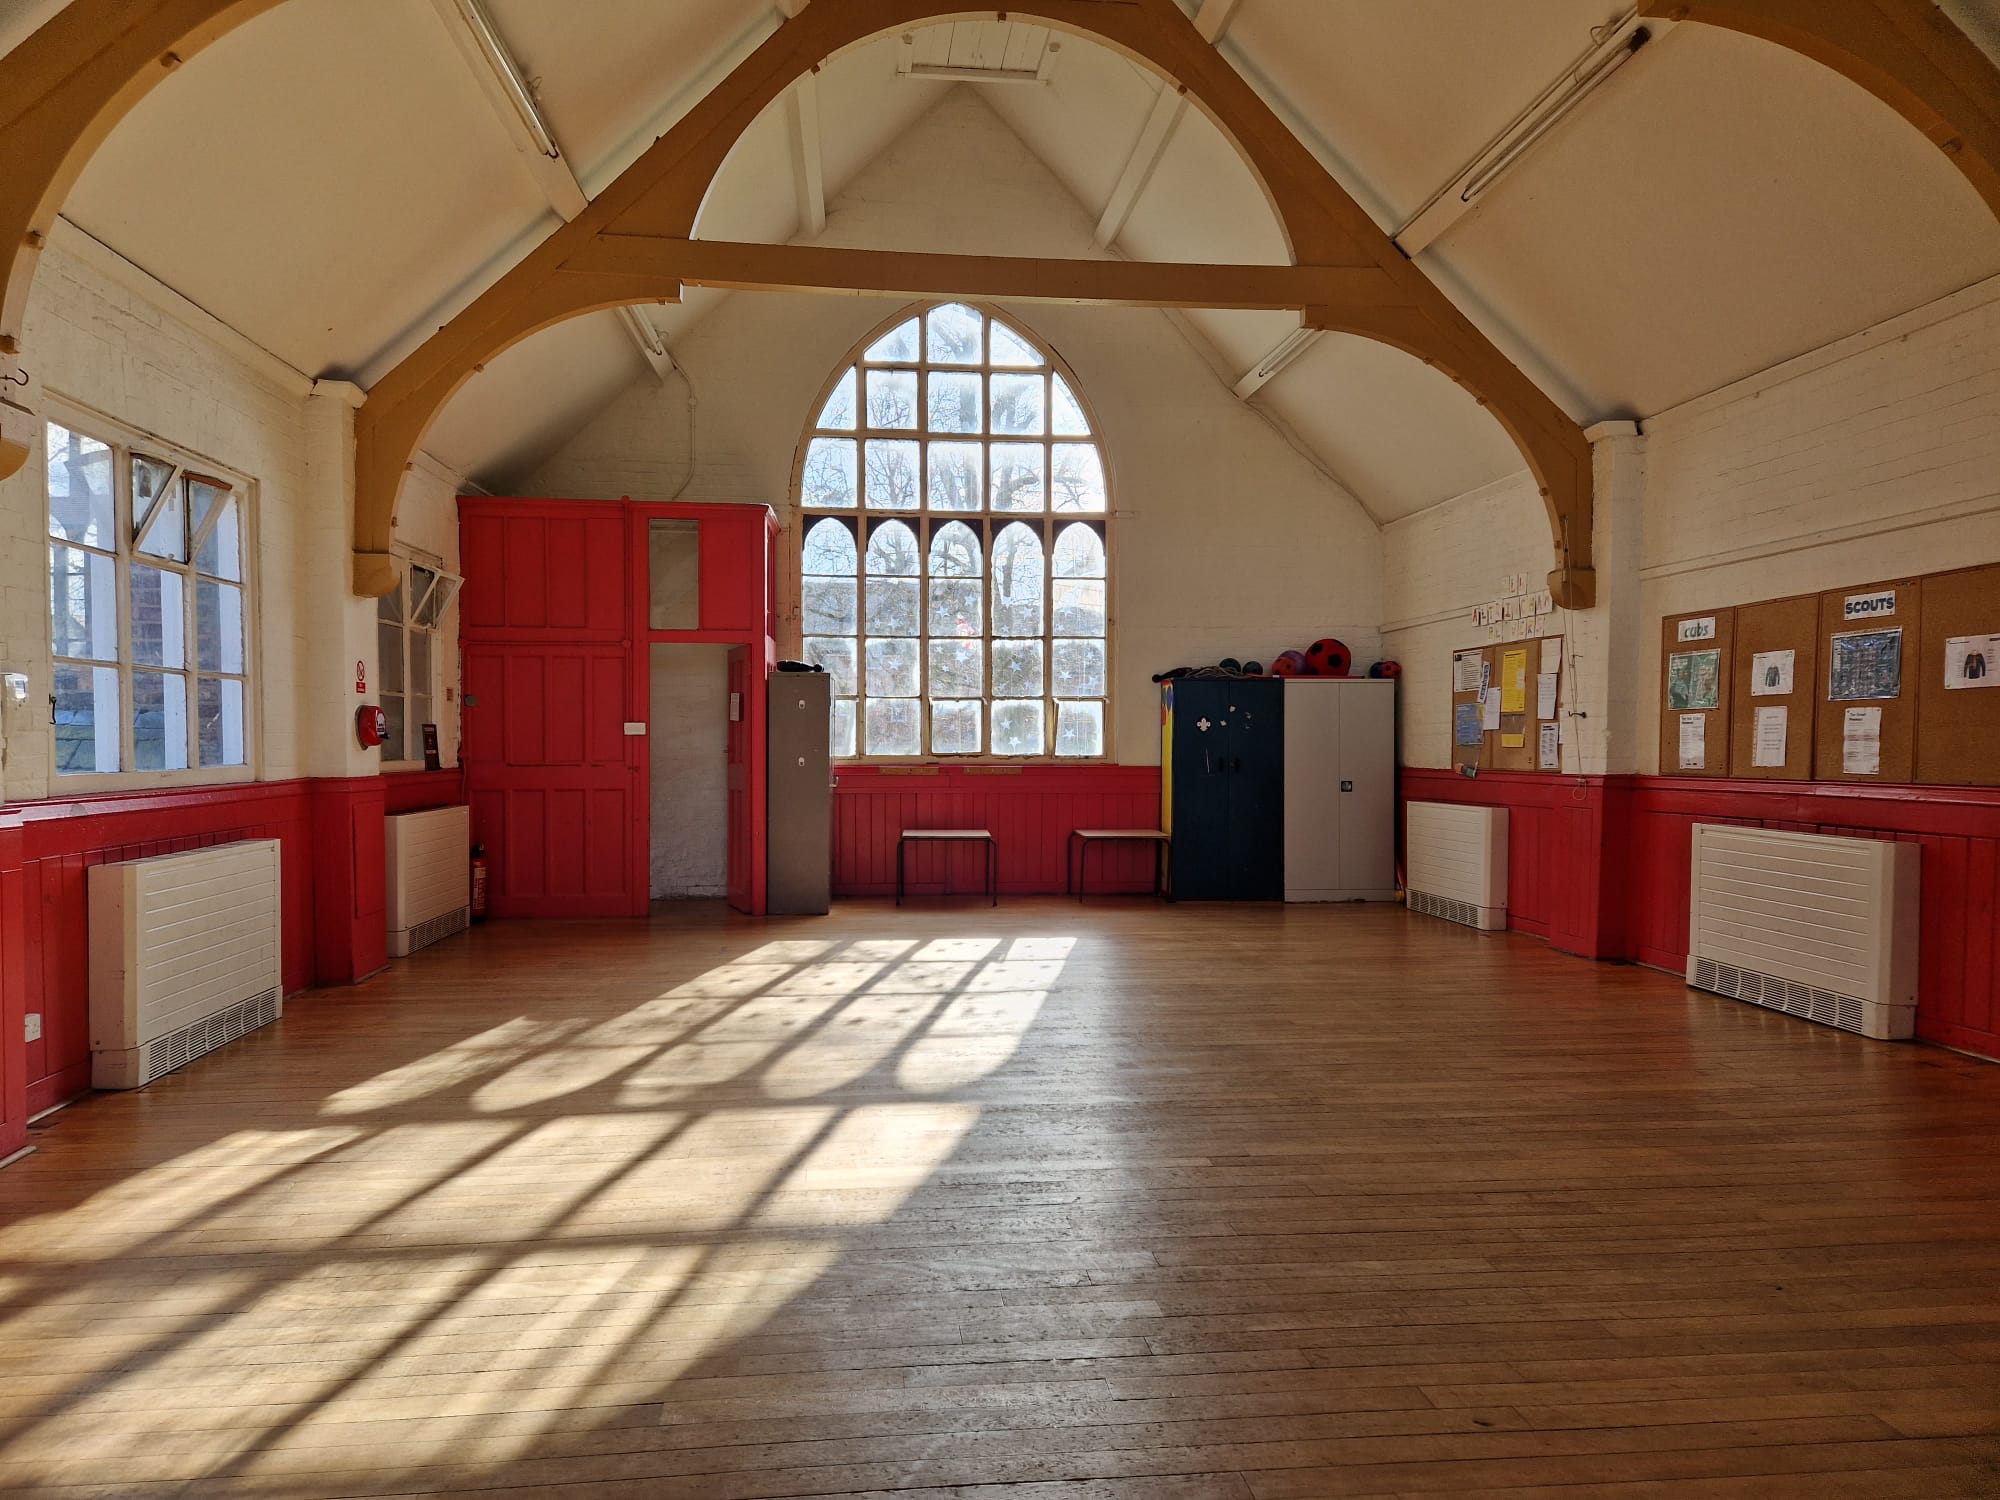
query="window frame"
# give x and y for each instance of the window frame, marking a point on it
(986, 524)
(125, 442)
(441, 578)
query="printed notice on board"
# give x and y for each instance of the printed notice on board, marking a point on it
(1861, 742)
(1868, 606)
(1972, 661)
(1769, 748)
(1489, 706)
(1694, 742)
(1552, 653)
(1514, 682)
(1866, 664)
(1550, 749)
(1465, 671)
(1465, 725)
(1771, 674)
(1697, 630)
(1545, 695)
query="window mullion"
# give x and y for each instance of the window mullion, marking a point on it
(121, 582)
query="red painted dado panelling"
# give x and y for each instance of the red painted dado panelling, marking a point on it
(419, 791)
(1556, 881)
(1030, 811)
(50, 848)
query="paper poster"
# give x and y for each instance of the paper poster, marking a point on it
(1489, 703)
(1465, 672)
(1545, 695)
(1972, 661)
(1465, 729)
(1868, 606)
(1485, 673)
(1694, 742)
(1769, 746)
(1771, 674)
(1866, 664)
(1514, 682)
(1696, 630)
(1552, 654)
(1694, 680)
(1550, 748)
(1861, 742)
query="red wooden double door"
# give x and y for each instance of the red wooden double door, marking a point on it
(556, 639)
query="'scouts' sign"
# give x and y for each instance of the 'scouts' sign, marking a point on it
(1869, 606)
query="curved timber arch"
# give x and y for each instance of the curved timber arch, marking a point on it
(68, 85)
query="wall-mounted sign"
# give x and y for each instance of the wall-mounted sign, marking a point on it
(1698, 630)
(1869, 606)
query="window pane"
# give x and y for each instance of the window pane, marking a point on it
(221, 726)
(829, 550)
(955, 727)
(390, 605)
(838, 413)
(956, 668)
(892, 550)
(221, 554)
(829, 606)
(954, 334)
(1079, 552)
(955, 404)
(957, 606)
(892, 671)
(1079, 669)
(1079, 729)
(1066, 412)
(837, 656)
(892, 606)
(843, 726)
(80, 489)
(893, 726)
(166, 530)
(420, 715)
(1017, 476)
(150, 480)
(1017, 404)
(159, 721)
(398, 731)
(955, 551)
(87, 724)
(957, 481)
(1017, 582)
(388, 656)
(441, 595)
(419, 583)
(1017, 669)
(1079, 606)
(1010, 349)
(218, 624)
(159, 618)
(420, 668)
(892, 398)
(896, 347)
(83, 603)
(892, 474)
(829, 479)
(1017, 728)
(1076, 480)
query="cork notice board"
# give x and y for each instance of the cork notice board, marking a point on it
(1696, 678)
(1513, 669)
(1869, 649)
(1774, 692)
(1958, 726)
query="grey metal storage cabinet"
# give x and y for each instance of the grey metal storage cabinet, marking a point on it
(798, 878)
(1340, 789)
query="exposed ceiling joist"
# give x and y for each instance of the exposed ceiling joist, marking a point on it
(1273, 364)
(500, 79)
(1211, 21)
(808, 165)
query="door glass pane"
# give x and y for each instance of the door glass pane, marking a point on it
(159, 721)
(221, 723)
(218, 621)
(221, 553)
(673, 575)
(893, 726)
(955, 727)
(80, 489)
(1017, 728)
(1079, 729)
(87, 725)
(83, 603)
(159, 618)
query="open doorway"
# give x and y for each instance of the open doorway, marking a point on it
(689, 738)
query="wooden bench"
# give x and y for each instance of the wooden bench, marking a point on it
(949, 836)
(1077, 857)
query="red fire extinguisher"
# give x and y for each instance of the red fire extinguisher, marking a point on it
(479, 882)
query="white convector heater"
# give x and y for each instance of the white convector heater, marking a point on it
(184, 957)
(430, 879)
(1807, 923)
(1455, 863)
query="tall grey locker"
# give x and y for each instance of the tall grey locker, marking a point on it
(1340, 789)
(798, 876)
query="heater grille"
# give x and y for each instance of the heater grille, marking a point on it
(177, 1049)
(1795, 999)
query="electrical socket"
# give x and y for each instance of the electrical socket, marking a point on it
(34, 1026)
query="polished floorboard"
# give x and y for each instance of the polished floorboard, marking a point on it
(1112, 1201)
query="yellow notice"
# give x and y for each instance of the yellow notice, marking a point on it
(1513, 682)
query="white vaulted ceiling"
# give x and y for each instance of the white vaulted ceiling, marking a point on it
(331, 181)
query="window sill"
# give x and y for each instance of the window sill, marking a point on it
(90, 783)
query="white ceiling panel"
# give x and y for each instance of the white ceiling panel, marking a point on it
(1085, 121)
(1204, 204)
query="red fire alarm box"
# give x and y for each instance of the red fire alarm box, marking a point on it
(371, 725)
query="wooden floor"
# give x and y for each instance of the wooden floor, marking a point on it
(1113, 1202)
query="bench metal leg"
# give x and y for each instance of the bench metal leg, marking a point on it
(900, 845)
(993, 870)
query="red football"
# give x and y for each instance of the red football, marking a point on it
(1327, 657)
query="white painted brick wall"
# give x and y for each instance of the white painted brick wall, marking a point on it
(1228, 542)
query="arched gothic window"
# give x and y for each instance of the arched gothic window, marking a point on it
(956, 559)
